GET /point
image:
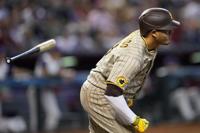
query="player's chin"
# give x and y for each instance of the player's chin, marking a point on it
(166, 43)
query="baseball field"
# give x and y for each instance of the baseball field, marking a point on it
(162, 128)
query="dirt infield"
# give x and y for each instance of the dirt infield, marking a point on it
(164, 128)
(176, 128)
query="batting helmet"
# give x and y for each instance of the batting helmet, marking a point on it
(156, 19)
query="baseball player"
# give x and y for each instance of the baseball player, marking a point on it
(113, 85)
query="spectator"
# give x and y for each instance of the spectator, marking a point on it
(187, 101)
(10, 119)
(47, 67)
(191, 20)
(167, 82)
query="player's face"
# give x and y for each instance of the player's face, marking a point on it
(164, 36)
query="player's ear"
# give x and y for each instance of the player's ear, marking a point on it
(153, 33)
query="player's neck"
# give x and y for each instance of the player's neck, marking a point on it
(150, 43)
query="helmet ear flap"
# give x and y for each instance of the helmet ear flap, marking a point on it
(144, 28)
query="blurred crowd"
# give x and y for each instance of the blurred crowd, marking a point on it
(91, 27)
(87, 26)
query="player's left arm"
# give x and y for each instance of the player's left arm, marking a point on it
(124, 69)
(114, 95)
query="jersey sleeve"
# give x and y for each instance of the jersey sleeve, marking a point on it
(124, 69)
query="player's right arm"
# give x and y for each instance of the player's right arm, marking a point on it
(114, 95)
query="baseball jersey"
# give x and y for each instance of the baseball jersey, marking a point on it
(125, 65)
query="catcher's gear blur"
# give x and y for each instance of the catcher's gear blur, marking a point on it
(156, 19)
(140, 124)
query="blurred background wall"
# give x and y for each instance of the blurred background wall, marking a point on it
(41, 93)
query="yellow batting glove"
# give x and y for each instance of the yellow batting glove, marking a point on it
(140, 124)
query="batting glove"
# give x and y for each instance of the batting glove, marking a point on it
(140, 124)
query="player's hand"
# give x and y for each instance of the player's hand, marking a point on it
(140, 124)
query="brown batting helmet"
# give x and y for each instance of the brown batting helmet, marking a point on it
(156, 19)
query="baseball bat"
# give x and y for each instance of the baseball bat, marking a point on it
(37, 49)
